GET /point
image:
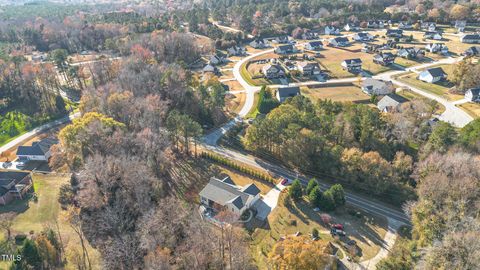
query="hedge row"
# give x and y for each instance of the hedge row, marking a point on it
(231, 164)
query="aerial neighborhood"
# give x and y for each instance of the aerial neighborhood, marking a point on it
(269, 134)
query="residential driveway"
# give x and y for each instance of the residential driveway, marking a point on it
(268, 202)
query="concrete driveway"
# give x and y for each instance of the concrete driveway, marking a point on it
(267, 203)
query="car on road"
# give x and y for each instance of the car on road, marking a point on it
(285, 182)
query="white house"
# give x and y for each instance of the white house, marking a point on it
(437, 48)
(460, 26)
(339, 42)
(473, 95)
(351, 27)
(258, 44)
(331, 30)
(223, 194)
(37, 151)
(363, 36)
(432, 75)
(314, 45)
(273, 71)
(285, 49)
(309, 68)
(352, 65)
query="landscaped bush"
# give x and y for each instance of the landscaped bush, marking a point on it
(226, 162)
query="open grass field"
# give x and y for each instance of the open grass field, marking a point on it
(339, 93)
(45, 211)
(473, 109)
(367, 231)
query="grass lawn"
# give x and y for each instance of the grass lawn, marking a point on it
(241, 179)
(367, 231)
(254, 111)
(35, 215)
(439, 89)
(247, 76)
(471, 108)
(340, 93)
(333, 57)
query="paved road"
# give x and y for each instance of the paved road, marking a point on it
(37, 130)
(453, 114)
(361, 202)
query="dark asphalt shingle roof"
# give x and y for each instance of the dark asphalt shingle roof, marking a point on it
(288, 91)
(37, 148)
(436, 72)
(9, 179)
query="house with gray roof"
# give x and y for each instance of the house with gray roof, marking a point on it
(223, 194)
(285, 92)
(432, 75)
(39, 150)
(14, 185)
(372, 86)
(390, 103)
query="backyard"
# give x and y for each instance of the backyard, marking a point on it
(34, 214)
(337, 93)
(368, 231)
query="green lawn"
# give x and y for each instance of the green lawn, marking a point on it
(248, 77)
(254, 111)
(34, 215)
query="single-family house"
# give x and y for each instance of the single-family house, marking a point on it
(210, 69)
(309, 35)
(363, 36)
(470, 38)
(314, 45)
(236, 51)
(14, 185)
(339, 42)
(390, 103)
(309, 68)
(273, 71)
(281, 40)
(473, 95)
(39, 150)
(352, 65)
(350, 27)
(460, 25)
(472, 51)
(405, 25)
(217, 59)
(223, 194)
(331, 30)
(395, 33)
(432, 35)
(372, 86)
(411, 53)
(286, 92)
(384, 58)
(375, 24)
(437, 48)
(285, 49)
(432, 75)
(258, 44)
(429, 26)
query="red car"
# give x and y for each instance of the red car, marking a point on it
(337, 226)
(285, 182)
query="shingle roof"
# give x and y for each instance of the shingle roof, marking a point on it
(223, 192)
(436, 72)
(353, 61)
(288, 91)
(37, 148)
(315, 43)
(251, 189)
(373, 83)
(9, 179)
(390, 101)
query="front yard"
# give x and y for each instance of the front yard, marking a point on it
(473, 109)
(368, 231)
(439, 88)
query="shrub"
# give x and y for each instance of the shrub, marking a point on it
(315, 233)
(295, 190)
